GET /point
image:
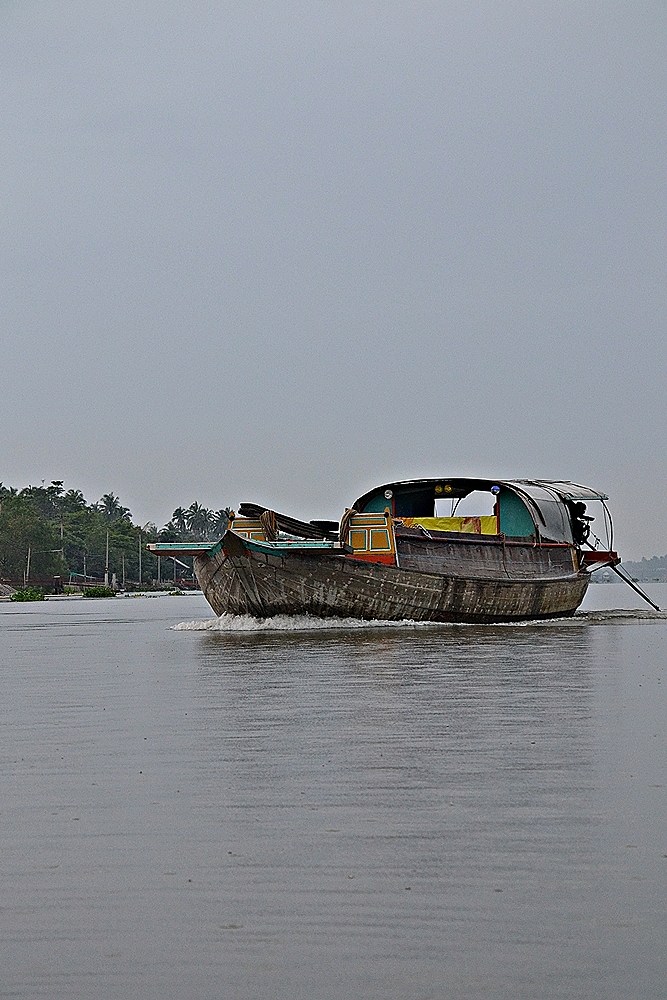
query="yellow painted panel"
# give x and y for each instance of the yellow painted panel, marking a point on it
(358, 539)
(380, 539)
(248, 528)
(485, 525)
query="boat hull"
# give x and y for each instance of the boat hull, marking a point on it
(247, 578)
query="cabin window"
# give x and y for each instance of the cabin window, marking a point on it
(408, 503)
(478, 503)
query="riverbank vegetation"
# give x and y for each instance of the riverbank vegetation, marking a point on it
(48, 532)
(28, 594)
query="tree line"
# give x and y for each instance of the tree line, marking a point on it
(653, 569)
(47, 531)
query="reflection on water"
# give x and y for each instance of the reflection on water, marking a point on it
(390, 812)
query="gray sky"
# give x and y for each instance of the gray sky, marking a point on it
(284, 251)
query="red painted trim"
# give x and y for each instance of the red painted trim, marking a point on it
(606, 558)
(388, 558)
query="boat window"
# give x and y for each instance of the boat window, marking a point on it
(478, 503)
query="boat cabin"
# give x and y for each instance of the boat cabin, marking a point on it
(524, 510)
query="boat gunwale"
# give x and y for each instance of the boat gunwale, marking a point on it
(478, 539)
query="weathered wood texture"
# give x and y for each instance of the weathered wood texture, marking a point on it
(239, 581)
(476, 557)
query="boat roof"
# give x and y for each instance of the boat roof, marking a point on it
(460, 487)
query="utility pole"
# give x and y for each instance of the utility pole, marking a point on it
(141, 530)
(106, 564)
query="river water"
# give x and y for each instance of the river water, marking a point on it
(222, 811)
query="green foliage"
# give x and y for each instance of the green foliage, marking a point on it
(24, 527)
(28, 594)
(66, 536)
(111, 509)
(197, 523)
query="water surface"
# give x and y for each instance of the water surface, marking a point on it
(223, 810)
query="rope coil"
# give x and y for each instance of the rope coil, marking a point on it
(344, 530)
(269, 525)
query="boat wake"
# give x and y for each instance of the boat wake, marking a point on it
(291, 623)
(308, 623)
(621, 615)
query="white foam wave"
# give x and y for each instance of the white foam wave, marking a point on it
(309, 623)
(290, 623)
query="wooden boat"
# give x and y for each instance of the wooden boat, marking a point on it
(395, 555)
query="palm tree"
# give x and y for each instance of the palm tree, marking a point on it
(221, 521)
(169, 533)
(199, 519)
(180, 520)
(45, 499)
(74, 500)
(111, 508)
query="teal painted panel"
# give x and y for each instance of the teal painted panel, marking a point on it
(405, 503)
(376, 505)
(515, 520)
